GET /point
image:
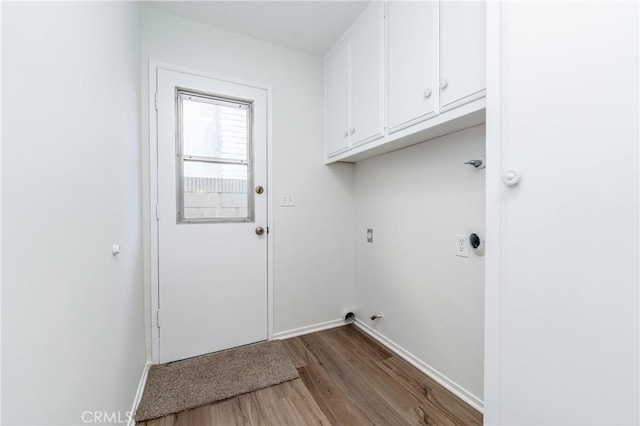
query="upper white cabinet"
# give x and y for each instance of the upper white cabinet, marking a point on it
(462, 52)
(367, 68)
(355, 89)
(412, 84)
(405, 72)
(337, 81)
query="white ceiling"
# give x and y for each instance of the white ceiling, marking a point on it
(309, 26)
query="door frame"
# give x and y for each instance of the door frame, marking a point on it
(154, 68)
(496, 120)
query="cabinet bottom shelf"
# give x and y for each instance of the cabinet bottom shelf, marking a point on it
(460, 118)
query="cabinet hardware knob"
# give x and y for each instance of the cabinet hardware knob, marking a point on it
(259, 189)
(259, 230)
(353, 131)
(511, 177)
(427, 93)
(346, 133)
(444, 83)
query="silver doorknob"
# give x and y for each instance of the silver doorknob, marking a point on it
(259, 230)
(444, 83)
(427, 93)
(259, 189)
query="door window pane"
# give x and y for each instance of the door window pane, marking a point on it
(215, 191)
(214, 163)
(212, 130)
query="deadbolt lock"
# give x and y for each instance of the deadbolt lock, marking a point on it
(259, 189)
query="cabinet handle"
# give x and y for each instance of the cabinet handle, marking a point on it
(444, 83)
(427, 93)
(353, 131)
(346, 133)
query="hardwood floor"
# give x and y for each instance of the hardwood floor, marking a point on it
(346, 378)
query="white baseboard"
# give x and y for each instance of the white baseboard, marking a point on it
(138, 396)
(308, 329)
(449, 384)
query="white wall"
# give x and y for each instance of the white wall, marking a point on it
(416, 200)
(313, 244)
(562, 267)
(0, 218)
(72, 316)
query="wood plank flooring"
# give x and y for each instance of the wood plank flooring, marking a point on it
(346, 378)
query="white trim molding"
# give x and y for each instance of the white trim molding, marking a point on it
(449, 384)
(496, 63)
(308, 329)
(138, 396)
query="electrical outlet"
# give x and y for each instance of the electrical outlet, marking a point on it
(287, 199)
(462, 245)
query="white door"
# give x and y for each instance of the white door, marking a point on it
(411, 31)
(212, 138)
(462, 52)
(337, 107)
(367, 49)
(557, 310)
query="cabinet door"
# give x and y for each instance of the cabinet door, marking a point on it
(337, 80)
(411, 66)
(462, 52)
(367, 51)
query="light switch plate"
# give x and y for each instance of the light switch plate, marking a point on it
(462, 245)
(287, 199)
